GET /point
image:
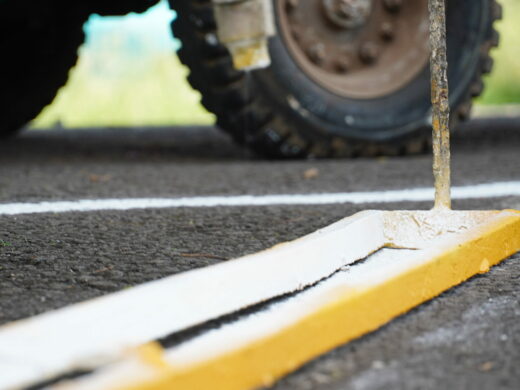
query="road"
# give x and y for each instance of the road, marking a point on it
(467, 338)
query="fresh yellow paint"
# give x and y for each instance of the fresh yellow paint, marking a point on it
(350, 314)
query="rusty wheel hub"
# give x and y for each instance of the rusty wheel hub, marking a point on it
(360, 49)
(347, 14)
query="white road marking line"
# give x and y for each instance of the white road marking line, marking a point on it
(258, 348)
(101, 329)
(94, 333)
(478, 191)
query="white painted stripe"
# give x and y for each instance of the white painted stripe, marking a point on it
(479, 191)
(99, 331)
(376, 269)
(254, 327)
(95, 332)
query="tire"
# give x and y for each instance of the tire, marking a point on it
(39, 45)
(282, 112)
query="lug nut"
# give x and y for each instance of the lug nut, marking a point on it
(393, 5)
(344, 9)
(342, 65)
(317, 53)
(369, 52)
(387, 31)
(347, 14)
(291, 4)
(296, 33)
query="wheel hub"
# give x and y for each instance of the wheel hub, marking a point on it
(357, 48)
(347, 14)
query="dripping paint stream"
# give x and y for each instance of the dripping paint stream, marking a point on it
(440, 104)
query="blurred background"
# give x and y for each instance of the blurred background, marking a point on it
(128, 75)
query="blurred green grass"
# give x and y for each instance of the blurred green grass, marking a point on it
(156, 96)
(128, 75)
(503, 85)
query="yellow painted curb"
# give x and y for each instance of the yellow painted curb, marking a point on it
(346, 316)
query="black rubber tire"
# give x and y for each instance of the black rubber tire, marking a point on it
(256, 108)
(39, 44)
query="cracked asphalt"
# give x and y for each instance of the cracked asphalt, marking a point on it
(468, 338)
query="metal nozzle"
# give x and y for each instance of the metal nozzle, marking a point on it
(244, 27)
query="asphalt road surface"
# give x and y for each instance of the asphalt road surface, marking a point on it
(467, 338)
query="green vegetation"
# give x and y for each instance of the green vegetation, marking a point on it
(503, 85)
(151, 93)
(4, 243)
(128, 75)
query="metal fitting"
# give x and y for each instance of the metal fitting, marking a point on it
(347, 14)
(244, 27)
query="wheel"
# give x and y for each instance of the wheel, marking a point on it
(348, 78)
(39, 43)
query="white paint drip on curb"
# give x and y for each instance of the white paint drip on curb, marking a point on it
(479, 191)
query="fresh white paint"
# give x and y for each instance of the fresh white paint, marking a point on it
(254, 327)
(99, 331)
(102, 330)
(378, 268)
(479, 191)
